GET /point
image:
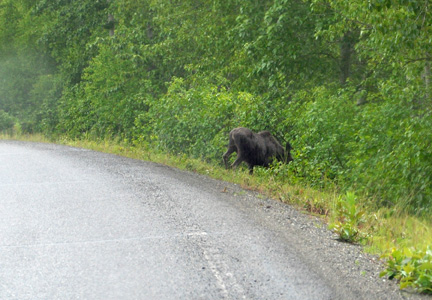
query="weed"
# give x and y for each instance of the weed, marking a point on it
(349, 217)
(412, 267)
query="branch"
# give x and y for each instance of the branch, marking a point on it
(427, 58)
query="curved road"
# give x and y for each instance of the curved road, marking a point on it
(82, 224)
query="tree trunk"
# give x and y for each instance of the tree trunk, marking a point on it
(346, 49)
(110, 22)
(427, 79)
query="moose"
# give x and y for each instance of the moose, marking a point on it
(255, 149)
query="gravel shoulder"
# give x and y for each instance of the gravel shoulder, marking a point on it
(346, 268)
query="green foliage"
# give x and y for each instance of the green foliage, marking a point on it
(391, 158)
(324, 131)
(46, 91)
(412, 267)
(348, 220)
(194, 120)
(67, 30)
(381, 148)
(110, 96)
(7, 122)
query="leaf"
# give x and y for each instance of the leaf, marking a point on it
(408, 268)
(408, 252)
(427, 266)
(404, 285)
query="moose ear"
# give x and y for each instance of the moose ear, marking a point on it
(288, 147)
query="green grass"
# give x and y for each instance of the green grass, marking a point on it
(380, 230)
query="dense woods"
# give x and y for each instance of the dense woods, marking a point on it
(347, 83)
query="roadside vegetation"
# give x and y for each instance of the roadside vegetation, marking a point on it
(347, 83)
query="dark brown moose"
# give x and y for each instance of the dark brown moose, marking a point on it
(255, 149)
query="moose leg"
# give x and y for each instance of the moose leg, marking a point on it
(251, 169)
(237, 161)
(227, 154)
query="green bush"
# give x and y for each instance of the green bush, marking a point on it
(324, 132)
(412, 267)
(349, 217)
(7, 122)
(108, 100)
(381, 149)
(193, 121)
(391, 157)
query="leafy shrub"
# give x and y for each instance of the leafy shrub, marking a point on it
(324, 131)
(413, 268)
(108, 100)
(349, 216)
(7, 122)
(381, 149)
(391, 156)
(193, 121)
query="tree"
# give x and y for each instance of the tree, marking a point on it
(72, 27)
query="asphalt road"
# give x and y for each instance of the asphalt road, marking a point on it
(78, 224)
